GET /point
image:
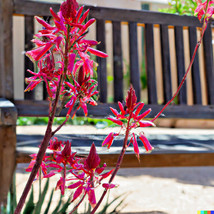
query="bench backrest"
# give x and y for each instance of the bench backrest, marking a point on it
(147, 20)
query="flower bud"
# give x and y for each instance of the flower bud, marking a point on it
(131, 99)
(69, 9)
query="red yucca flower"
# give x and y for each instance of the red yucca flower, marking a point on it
(128, 118)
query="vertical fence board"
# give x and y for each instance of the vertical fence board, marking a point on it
(208, 58)
(6, 50)
(196, 82)
(133, 55)
(118, 62)
(179, 48)
(29, 31)
(150, 64)
(165, 56)
(44, 91)
(101, 70)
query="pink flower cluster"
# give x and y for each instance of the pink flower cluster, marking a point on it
(204, 10)
(62, 53)
(128, 118)
(83, 175)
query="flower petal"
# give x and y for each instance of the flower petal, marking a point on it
(108, 186)
(146, 143)
(135, 144)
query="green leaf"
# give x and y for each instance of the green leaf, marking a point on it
(107, 205)
(58, 206)
(13, 202)
(65, 206)
(49, 202)
(30, 205)
(41, 199)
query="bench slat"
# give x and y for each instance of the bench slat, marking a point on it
(208, 59)
(6, 50)
(147, 160)
(101, 70)
(133, 55)
(196, 83)
(29, 31)
(27, 7)
(150, 64)
(117, 61)
(180, 63)
(166, 69)
(40, 108)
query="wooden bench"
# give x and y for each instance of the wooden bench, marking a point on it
(146, 20)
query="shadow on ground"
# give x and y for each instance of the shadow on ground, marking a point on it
(152, 212)
(187, 175)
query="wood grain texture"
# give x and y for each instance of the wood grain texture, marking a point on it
(8, 117)
(7, 159)
(117, 62)
(148, 160)
(150, 64)
(208, 59)
(133, 56)
(180, 63)
(29, 32)
(102, 64)
(6, 50)
(32, 7)
(40, 108)
(196, 81)
(166, 69)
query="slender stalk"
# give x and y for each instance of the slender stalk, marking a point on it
(185, 75)
(47, 137)
(119, 161)
(65, 121)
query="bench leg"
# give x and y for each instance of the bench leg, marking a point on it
(7, 160)
(8, 116)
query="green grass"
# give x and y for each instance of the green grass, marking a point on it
(99, 123)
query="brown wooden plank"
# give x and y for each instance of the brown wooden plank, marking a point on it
(44, 91)
(148, 160)
(102, 69)
(8, 117)
(133, 56)
(166, 69)
(29, 32)
(148, 17)
(150, 64)
(32, 8)
(42, 8)
(40, 108)
(208, 59)
(118, 62)
(162, 160)
(6, 50)
(180, 63)
(196, 83)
